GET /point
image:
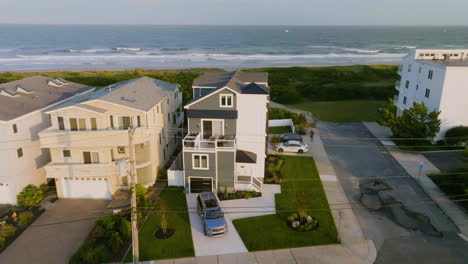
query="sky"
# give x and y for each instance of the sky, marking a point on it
(236, 12)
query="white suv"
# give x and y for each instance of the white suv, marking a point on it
(292, 146)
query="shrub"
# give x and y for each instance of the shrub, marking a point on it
(300, 129)
(2, 242)
(279, 113)
(162, 174)
(144, 202)
(125, 229)
(115, 242)
(30, 196)
(25, 218)
(44, 188)
(275, 140)
(457, 135)
(7, 231)
(107, 222)
(140, 190)
(225, 193)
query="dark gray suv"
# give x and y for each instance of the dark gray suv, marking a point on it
(290, 136)
(211, 213)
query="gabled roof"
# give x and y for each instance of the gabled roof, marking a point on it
(140, 94)
(39, 95)
(253, 88)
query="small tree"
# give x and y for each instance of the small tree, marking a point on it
(163, 209)
(30, 196)
(416, 122)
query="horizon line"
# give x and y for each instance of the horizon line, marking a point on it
(241, 25)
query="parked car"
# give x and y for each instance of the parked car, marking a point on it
(290, 136)
(211, 213)
(292, 146)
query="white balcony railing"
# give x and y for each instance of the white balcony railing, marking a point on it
(196, 142)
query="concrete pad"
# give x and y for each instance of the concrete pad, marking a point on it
(242, 208)
(238, 258)
(281, 256)
(207, 246)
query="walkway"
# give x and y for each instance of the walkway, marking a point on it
(410, 162)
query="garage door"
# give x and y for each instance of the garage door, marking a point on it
(79, 187)
(200, 185)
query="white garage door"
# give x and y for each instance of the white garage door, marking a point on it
(92, 188)
(5, 196)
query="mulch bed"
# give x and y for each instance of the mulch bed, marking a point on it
(161, 235)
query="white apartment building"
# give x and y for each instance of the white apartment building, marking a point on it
(88, 138)
(439, 79)
(23, 104)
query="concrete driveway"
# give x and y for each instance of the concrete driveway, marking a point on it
(56, 234)
(207, 246)
(366, 169)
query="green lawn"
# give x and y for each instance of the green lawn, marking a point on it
(279, 130)
(180, 244)
(342, 111)
(271, 231)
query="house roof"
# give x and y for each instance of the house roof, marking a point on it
(35, 94)
(243, 156)
(141, 94)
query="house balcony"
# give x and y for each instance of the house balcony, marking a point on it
(54, 138)
(195, 141)
(58, 170)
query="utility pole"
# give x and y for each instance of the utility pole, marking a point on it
(133, 179)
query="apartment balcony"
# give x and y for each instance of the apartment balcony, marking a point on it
(397, 85)
(54, 138)
(195, 141)
(58, 170)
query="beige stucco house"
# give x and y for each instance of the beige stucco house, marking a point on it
(23, 104)
(88, 138)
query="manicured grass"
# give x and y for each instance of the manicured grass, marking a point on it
(342, 111)
(301, 190)
(279, 130)
(180, 244)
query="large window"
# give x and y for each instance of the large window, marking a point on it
(200, 161)
(430, 74)
(125, 122)
(93, 123)
(73, 124)
(212, 128)
(15, 128)
(428, 93)
(407, 84)
(404, 99)
(226, 100)
(61, 124)
(19, 152)
(90, 157)
(81, 124)
(66, 153)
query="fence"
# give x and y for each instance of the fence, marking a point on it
(281, 123)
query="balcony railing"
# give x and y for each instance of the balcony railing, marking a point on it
(194, 141)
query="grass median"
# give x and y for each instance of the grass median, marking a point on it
(301, 190)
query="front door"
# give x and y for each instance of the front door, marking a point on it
(212, 128)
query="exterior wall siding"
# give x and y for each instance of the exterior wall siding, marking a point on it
(212, 102)
(226, 169)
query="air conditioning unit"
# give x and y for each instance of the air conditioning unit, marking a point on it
(121, 149)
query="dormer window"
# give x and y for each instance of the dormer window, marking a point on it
(226, 100)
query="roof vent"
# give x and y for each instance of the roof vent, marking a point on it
(55, 82)
(24, 89)
(130, 99)
(8, 92)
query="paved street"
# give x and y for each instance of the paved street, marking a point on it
(48, 242)
(398, 213)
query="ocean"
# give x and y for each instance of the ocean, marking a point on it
(79, 47)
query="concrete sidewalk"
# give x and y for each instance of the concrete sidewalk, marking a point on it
(410, 162)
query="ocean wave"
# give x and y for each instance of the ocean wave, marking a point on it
(127, 49)
(360, 50)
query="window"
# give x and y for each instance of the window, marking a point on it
(174, 118)
(417, 87)
(226, 100)
(19, 152)
(164, 154)
(138, 121)
(125, 122)
(111, 119)
(407, 84)
(93, 124)
(200, 161)
(428, 92)
(61, 124)
(81, 124)
(73, 124)
(409, 67)
(404, 99)
(66, 153)
(15, 129)
(430, 74)
(90, 157)
(420, 69)
(160, 141)
(168, 117)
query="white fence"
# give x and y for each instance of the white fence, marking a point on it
(281, 123)
(175, 174)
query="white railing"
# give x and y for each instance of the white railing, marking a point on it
(196, 142)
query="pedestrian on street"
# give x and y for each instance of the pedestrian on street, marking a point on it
(312, 134)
